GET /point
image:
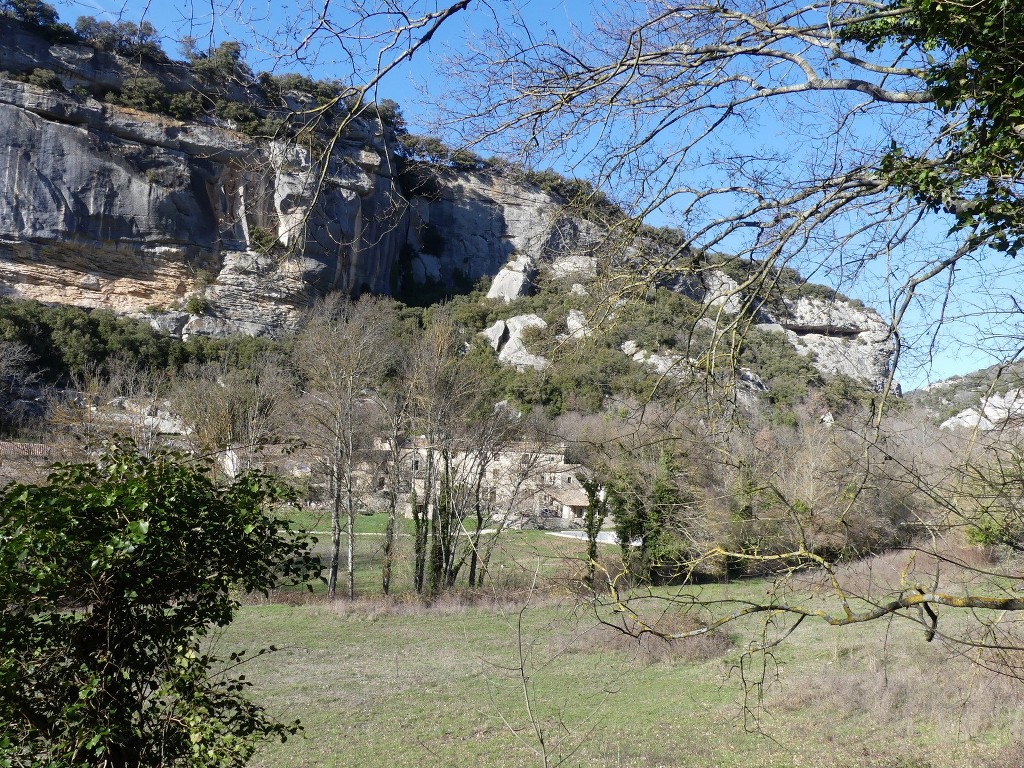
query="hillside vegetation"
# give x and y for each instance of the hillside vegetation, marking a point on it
(769, 554)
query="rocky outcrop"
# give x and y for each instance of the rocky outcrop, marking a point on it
(204, 231)
(506, 338)
(722, 292)
(561, 246)
(663, 364)
(844, 338)
(749, 387)
(140, 213)
(577, 325)
(109, 207)
(994, 411)
(513, 280)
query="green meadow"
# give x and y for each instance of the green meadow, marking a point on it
(526, 674)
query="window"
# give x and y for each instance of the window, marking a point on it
(415, 465)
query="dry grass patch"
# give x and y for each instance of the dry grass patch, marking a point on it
(943, 564)
(653, 647)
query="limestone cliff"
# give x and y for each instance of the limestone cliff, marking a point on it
(844, 337)
(108, 206)
(206, 231)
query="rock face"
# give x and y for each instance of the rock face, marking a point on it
(110, 207)
(204, 231)
(995, 410)
(843, 337)
(506, 338)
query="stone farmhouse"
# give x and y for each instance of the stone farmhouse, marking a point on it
(523, 484)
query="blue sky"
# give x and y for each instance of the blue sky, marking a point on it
(978, 328)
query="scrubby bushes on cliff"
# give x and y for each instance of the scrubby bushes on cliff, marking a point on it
(69, 343)
(788, 374)
(124, 38)
(143, 93)
(431, 149)
(43, 78)
(219, 65)
(40, 15)
(274, 87)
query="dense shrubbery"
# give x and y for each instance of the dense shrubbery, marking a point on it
(113, 574)
(69, 342)
(40, 15)
(44, 78)
(788, 374)
(218, 66)
(664, 319)
(124, 38)
(143, 93)
(275, 86)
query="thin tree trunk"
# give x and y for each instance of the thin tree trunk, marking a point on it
(395, 480)
(473, 555)
(350, 514)
(332, 578)
(389, 555)
(351, 554)
(419, 545)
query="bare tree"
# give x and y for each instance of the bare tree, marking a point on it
(232, 413)
(463, 434)
(342, 352)
(443, 393)
(15, 362)
(393, 400)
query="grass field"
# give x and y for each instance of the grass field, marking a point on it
(483, 682)
(519, 556)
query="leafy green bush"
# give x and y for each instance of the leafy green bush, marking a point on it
(662, 319)
(40, 15)
(843, 392)
(274, 86)
(428, 148)
(143, 93)
(389, 112)
(125, 38)
(111, 575)
(44, 78)
(243, 116)
(263, 239)
(578, 193)
(219, 65)
(68, 341)
(196, 304)
(788, 374)
(185, 106)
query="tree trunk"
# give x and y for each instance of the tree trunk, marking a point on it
(350, 514)
(474, 555)
(351, 554)
(420, 545)
(389, 551)
(332, 577)
(395, 481)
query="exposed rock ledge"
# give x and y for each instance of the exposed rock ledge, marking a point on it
(844, 338)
